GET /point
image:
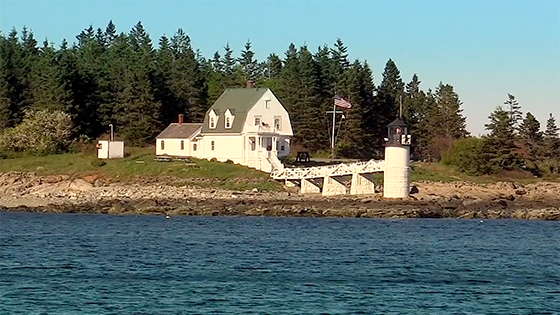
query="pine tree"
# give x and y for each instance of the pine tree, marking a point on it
(46, 87)
(85, 36)
(162, 81)
(187, 82)
(530, 136)
(289, 84)
(137, 111)
(248, 63)
(271, 74)
(230, 75)
(140, 40)
(416, 111)
(110, 33)
(308, 103)
(328, 74)
(411, 102)
(215, 75)
(499, 149)
(353, 138)
(551, 139)
(388, 98)
(514, 110)
(274, 66)
(5, 87)
(340, 56)
(453, 123)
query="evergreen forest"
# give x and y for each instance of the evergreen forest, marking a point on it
(126, 80)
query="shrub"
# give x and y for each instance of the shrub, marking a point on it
(288, 160)
(83, 144)
(41, 132)
(466, 155)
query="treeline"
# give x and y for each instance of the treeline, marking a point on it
(122, 79)
(514, 142)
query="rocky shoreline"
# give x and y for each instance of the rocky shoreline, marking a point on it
(62, 194)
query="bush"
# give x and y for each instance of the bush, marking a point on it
(41, 133)
(288, 160)
(466, 155)
(83, 144)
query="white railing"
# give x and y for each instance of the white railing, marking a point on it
(263, 163)
(262, 129)
(370, 166)
(277, 166)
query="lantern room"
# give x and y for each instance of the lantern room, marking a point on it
(398, 134)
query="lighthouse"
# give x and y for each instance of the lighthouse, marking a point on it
(396, 179)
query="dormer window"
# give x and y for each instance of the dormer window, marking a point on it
(228, 119)
(212, 120)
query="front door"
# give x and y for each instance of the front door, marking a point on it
(267, 143)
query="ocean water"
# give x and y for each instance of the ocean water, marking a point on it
(105, 264)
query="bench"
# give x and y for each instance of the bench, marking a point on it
(163, 159)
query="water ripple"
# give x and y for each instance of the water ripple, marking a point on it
(93, 264)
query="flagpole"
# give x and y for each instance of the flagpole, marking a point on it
(333, 123)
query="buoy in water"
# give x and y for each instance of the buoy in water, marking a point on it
(167, 216)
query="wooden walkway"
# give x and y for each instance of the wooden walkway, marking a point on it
(363, 167)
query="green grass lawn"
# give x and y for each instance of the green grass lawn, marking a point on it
(140, 166)
(438, 172)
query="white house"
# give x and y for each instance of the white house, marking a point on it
(248, 126)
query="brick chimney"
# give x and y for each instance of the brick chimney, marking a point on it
(250, 84)
(180, 119)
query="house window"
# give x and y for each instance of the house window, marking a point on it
(282, 148)
(212, 122)
(162, 145)
(252, 143)
(194, 147)
(228, 122)
(212, 145)
(267, 104)
(257, 121)
(278, 123)
(182, 144)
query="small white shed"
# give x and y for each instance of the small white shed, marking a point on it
(110, 149)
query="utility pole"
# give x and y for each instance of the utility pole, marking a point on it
(400, 107)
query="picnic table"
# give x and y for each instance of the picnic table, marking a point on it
(187, 161)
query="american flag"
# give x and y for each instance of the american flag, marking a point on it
(340, 102)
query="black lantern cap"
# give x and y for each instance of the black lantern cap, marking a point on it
(398, 134)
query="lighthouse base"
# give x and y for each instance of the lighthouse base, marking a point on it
(396, 178)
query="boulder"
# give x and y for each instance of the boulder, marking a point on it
(80, 185)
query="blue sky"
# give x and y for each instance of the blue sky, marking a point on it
(485, 49)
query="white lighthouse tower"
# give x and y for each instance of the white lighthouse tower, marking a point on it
(396, 179)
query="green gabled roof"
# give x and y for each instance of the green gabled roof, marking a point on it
(239, 102)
